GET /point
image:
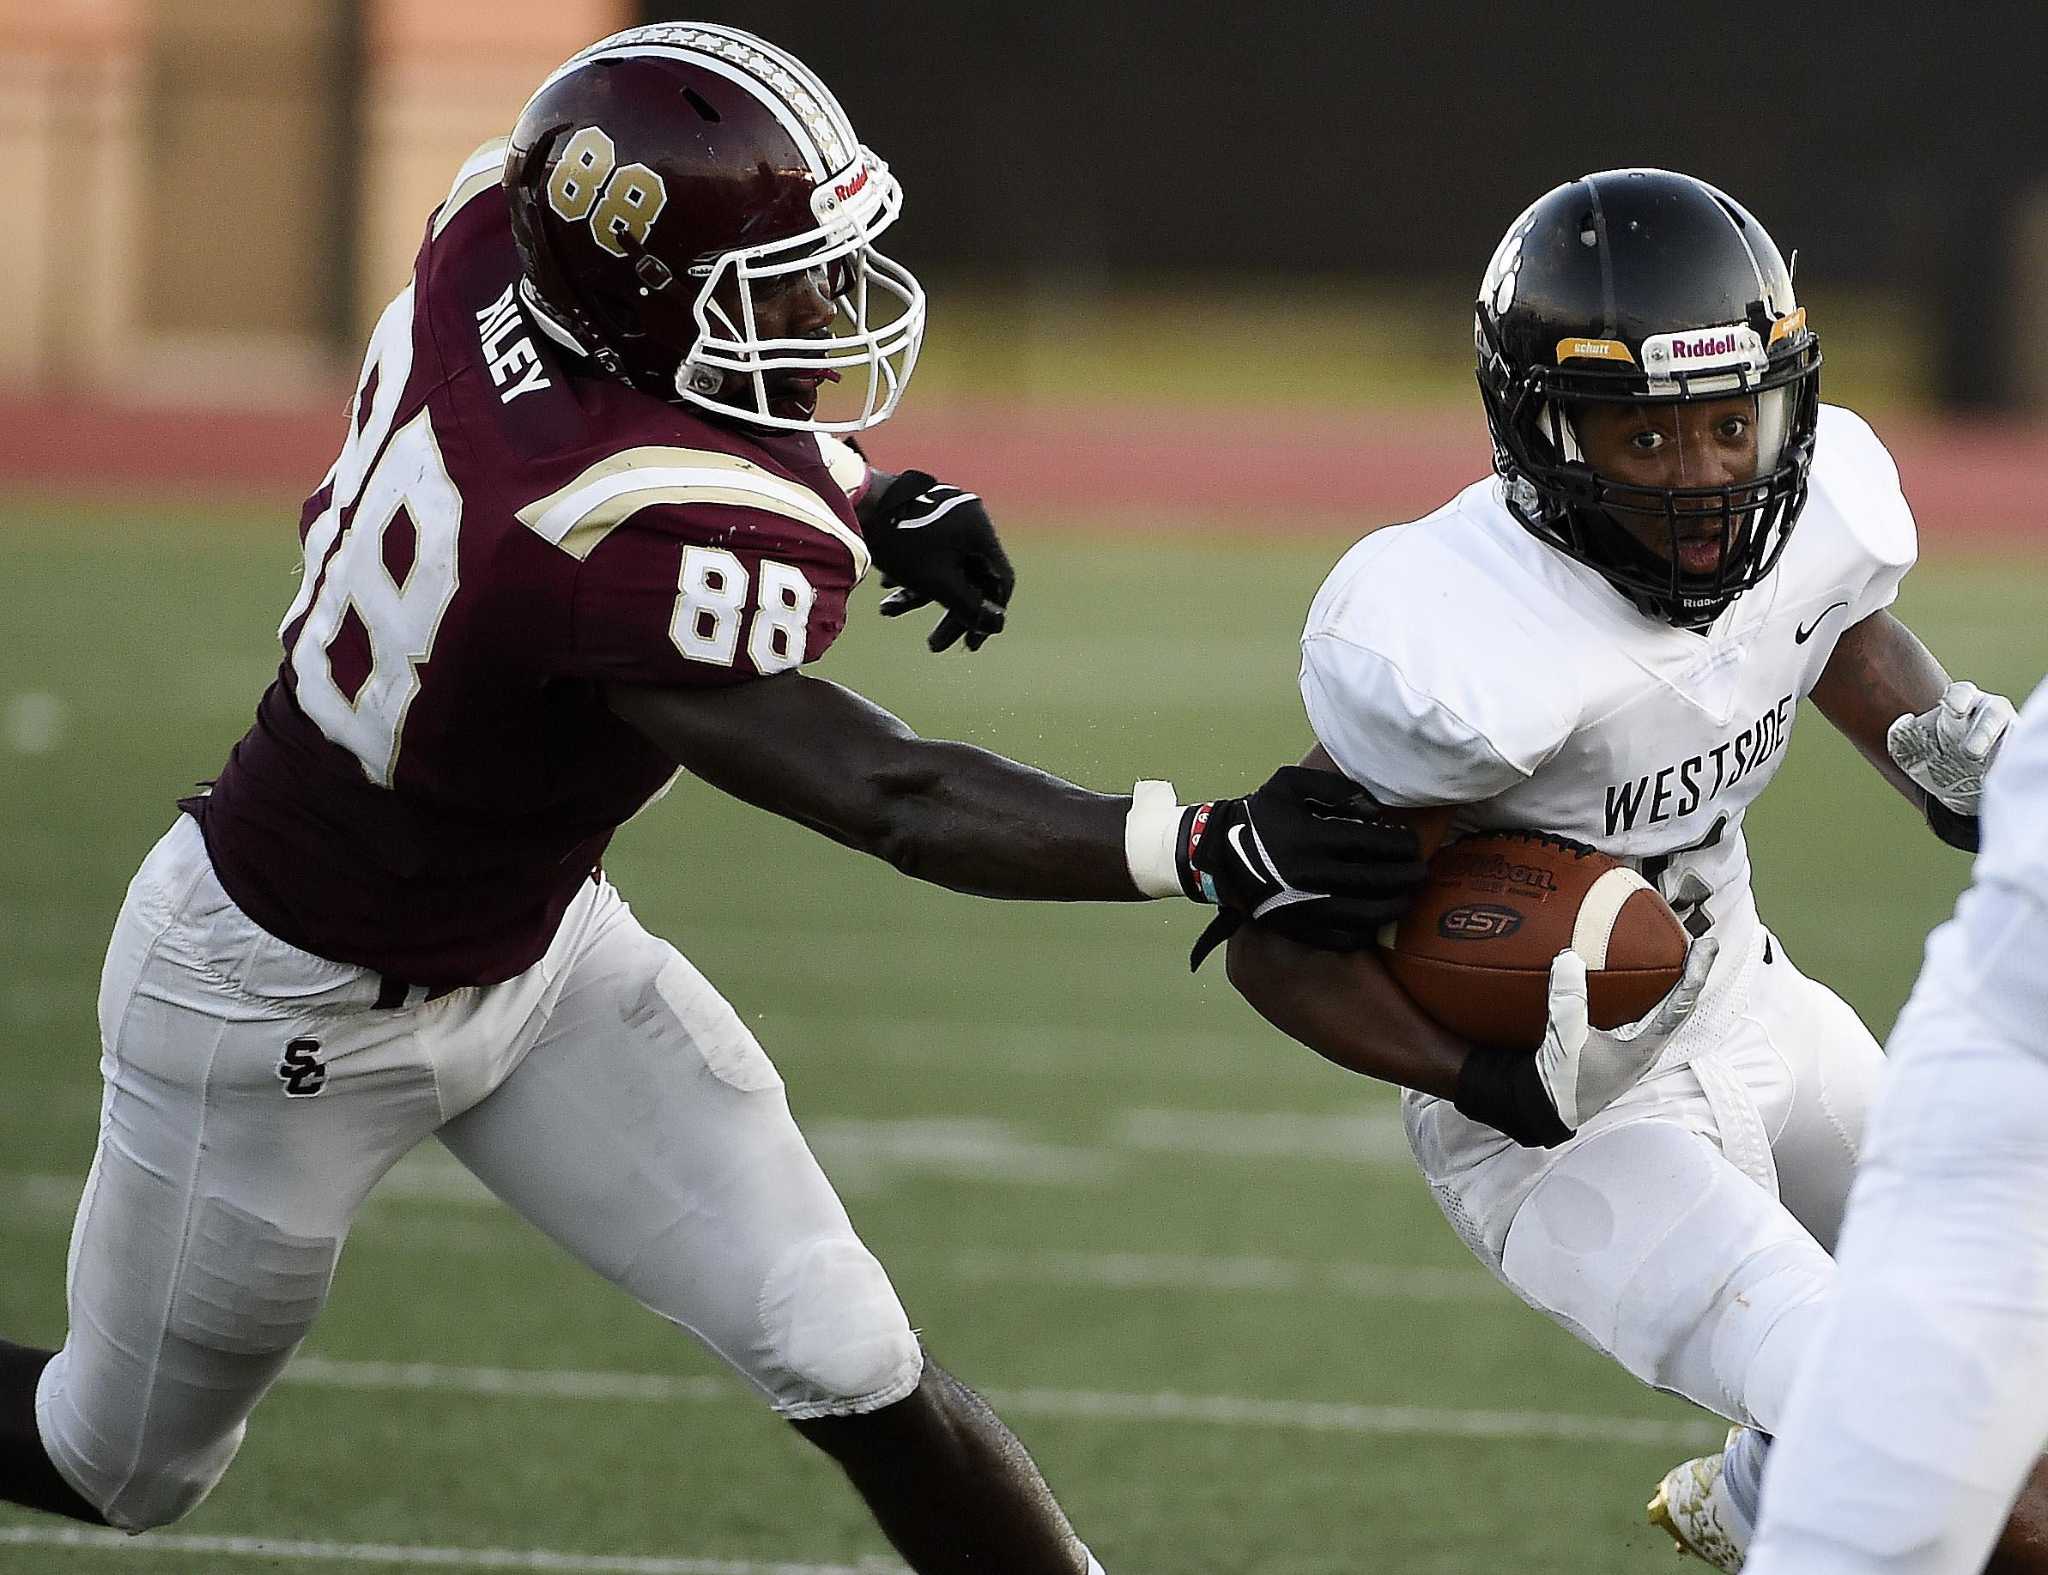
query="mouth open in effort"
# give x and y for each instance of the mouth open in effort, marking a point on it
(793, 393)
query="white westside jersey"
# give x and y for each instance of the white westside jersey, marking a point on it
(1459, 660)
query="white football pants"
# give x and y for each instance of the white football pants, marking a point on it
(1926, 1405)
(254, 1094)
(1685, 1230)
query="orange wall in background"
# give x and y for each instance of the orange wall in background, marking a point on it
(69, 75)
(174, 176)
(445, 76)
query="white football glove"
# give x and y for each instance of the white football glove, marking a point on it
(1585, 1069)
(1946, 750)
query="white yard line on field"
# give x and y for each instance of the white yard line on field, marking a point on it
(863, 1154)
(275, 1548)
(476, 1226)
(50, 1198)
(1369, 1137)
(1038, 1048)
(1310, 1416)
(33, 723)
(1155, 1271)
(327, 1373)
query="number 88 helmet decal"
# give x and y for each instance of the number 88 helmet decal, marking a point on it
(1648, 292)
(667, 183)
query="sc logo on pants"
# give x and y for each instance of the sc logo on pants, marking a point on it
(302, 1071)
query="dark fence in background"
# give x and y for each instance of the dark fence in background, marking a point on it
(1899, 148)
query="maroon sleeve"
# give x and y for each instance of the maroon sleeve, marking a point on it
(690, 596)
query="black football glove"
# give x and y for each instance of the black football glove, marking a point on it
(1305, 855)
(935, 543)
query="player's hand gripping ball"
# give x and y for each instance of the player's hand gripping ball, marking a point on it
(1475, 951)
(1563, 969)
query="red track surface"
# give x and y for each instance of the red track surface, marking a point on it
(1971, 484)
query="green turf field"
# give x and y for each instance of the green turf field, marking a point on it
(1186, 1258)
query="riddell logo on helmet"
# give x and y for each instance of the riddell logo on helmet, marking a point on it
(1704, 347)
(846, 189)
(1698, 347)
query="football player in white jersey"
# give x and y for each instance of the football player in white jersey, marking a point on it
(1926, 1403)
(1609, 640)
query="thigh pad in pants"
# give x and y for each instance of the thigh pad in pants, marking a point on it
(648, 1133)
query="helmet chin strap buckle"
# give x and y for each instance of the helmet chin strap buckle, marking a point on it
(701, 380)
(1523, 497)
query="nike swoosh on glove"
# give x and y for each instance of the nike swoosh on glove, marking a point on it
(936, 543)
(1308, 855)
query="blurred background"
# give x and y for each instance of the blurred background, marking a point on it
(1138, 222)
(1201, 280)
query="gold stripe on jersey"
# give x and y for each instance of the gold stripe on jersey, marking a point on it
(579, 516)
(482, 170)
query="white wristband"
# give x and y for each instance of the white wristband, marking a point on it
(1150, 831)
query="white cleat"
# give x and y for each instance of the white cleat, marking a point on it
(1694, 1506)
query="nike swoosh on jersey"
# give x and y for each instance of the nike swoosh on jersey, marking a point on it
(1801, 636)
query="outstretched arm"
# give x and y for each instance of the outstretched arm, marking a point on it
(1305, 851)
(949, 813)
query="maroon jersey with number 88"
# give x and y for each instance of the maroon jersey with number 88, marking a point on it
(435, 770)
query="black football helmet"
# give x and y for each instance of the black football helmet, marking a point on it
(664, 180)
(1645, 288)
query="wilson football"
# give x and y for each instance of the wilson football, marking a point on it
(1475, 951)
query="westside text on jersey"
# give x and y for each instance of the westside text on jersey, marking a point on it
(1677, 790)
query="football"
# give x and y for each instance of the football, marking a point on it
(1475, 951)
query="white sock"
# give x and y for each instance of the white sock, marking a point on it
(1742, 1474)
(1093, 1567)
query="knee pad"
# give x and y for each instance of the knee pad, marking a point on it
(1649, 1246)
(109, 1469)
(837, 1337)
(172, 1492)
(149, 1453)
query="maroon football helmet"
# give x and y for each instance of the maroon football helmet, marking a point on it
(667, 180)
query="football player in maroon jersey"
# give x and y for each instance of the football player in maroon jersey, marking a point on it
(587, 527)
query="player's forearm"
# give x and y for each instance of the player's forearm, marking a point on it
(976, 822)
(948, 813)
(1879, 672)
(1347, 1008)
